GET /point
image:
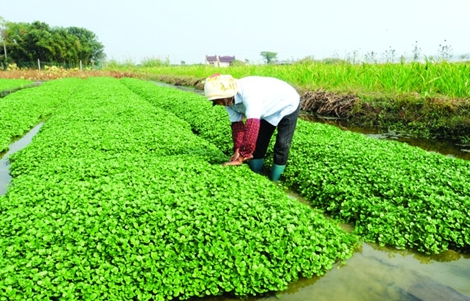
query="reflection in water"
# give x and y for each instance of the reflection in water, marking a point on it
(384, 273)
(445, 256)
(372, 274)
(377, 273)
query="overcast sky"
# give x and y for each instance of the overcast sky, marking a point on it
(189, 30)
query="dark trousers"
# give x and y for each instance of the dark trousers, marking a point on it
(285, 132)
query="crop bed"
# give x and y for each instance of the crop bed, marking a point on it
(117, 198)
(22, 110)
(395, 194)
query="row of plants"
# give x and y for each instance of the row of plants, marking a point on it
(395, 194)
(6, 84)
(118, 199)
(22, 110)
(48, 73)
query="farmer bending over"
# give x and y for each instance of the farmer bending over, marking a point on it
(256, 107)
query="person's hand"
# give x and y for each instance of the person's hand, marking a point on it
(238, 161)
(235, 156)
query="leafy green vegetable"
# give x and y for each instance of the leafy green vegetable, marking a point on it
(118, 199)
(395, 194)
(22, 110)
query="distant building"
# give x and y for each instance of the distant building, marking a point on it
(212, 60)
(219, 61)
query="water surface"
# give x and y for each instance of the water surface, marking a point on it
(5, 177)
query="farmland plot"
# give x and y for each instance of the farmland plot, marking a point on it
(118, 199)
(21, 111)
(395, 194)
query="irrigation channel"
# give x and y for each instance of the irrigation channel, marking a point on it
(372, 273)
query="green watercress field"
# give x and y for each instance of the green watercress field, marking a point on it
(24, 109)
(118, 199)
(394, 194)
(208, 122)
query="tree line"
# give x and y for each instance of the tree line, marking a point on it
(26, 43)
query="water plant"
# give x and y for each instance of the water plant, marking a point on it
(22, 110)
(395, 194)
(116, 198)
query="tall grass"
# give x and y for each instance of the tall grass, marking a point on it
(428, 78)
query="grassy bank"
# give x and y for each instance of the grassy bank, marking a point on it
(429, 79)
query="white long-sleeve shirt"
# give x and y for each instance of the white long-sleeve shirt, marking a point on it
(265, 98)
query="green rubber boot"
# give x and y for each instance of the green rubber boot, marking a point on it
(256, 165)
(276, 172)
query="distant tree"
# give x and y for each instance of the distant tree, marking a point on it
(268, 56)
(306, 60)
(86, 44)
(29, 42)
(183, 63)
(333, 61)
